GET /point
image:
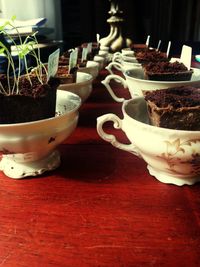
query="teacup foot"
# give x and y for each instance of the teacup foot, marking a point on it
(169, 179)
(19, 170)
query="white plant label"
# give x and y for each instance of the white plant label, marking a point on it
(84, 54)
(186, 56)
(158, 46)
(147, 41)
(98, 37)
(73, 59)
(89, 47)
(53, 61)
(168, 48)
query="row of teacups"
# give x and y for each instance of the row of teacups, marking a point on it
(85, 75)
(171, 155)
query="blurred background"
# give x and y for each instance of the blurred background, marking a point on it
(175, 20)
(72, 22)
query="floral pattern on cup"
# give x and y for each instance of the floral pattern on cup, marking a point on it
(172, 155)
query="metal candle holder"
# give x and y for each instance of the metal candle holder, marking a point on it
(115, 40)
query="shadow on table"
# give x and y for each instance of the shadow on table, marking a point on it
(97, 164)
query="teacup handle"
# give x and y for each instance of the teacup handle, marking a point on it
(106, 82)
(116, 65)
(117, 124)
(117, 57)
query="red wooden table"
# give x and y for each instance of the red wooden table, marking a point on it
(99, 208)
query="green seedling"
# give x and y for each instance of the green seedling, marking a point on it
(24, 49)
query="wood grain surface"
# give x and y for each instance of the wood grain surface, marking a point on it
(100, 208)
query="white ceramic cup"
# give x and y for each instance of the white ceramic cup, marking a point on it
(30, 148)
(91, 67)
(172, 156)
(119, 57)
(100, 60)
(104, 48)
(123, 66)
(127, 52)
(136, 83)
(103, 53)
(82, 87)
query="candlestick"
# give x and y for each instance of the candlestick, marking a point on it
(115, 40)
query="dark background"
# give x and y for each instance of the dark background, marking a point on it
(174, 20)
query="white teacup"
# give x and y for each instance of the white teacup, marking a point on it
(104, 48)
(123, 66)
(172, 156)
(91, 67)
(127, 52)
(136, 82)
(100, 60)
(82, 87)
(30, 148)
(119, 57)
(103, 53)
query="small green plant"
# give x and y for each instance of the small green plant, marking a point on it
(27, 47)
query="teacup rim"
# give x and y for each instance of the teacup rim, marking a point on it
(93, 63)
(158, 82)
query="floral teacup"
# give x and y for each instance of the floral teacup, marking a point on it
(172, 156)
